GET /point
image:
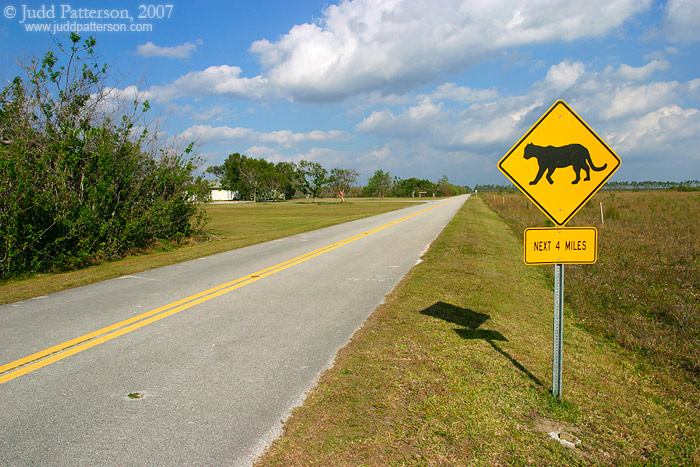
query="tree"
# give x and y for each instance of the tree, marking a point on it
(410, 186)
(253, 178)
(312, 178)
(341, 180)
(379, 184)
(289, 181)
(257, 175)
(445, 187)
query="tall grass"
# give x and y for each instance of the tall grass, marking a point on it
(644, 291)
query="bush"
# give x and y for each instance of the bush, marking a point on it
(78, 184)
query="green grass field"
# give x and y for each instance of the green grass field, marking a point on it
(455, 369)
(230, 226)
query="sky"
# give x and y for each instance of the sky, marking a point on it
(416, 88)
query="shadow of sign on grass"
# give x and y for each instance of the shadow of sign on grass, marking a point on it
(470, 321)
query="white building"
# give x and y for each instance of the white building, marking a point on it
(224, 195)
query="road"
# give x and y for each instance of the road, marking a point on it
(196, 363)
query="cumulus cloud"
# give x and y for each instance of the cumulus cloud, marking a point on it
(413, 122)
(128, 94)
(220, 134)
(289, 138)
(638, 120)
(370, 45)
(366, 46)
(564, 74)
(378, 154)
(464, 94)
(642, 73)
(653, 129)
(222, 80)
(263, 152)
(681, 20)
(387, 51)
(149, 49)
(497, 123)
(327, 157)
(631, 100)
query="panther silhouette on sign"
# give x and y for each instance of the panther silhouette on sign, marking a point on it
(550, 158)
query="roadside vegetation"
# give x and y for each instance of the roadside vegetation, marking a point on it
(229, 226)
(83, 177)
(644, 291)
(455, 369)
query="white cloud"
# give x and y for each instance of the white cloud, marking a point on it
(658, 131)
(633, 100)
(639, 121)
(149, 49)
(464, 94)
(681, 20)
(501, 122)
(212, 113)
(327, 157)
(289, 138)
(413, 122)
(564, 74)
(378, 154)
(262, 152)
(129, 93)
(221, 134)
(391, 46)
(363, 46)
(642, 73)
(222, 80)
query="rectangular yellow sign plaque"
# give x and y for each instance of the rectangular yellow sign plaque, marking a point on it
(561, 245)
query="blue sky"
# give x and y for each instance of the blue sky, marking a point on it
(416, 88)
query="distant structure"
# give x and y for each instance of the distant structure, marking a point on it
(224, 195)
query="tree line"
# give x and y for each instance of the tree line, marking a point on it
(255, 179)
(81, 176)
(653, 185)
(688, 185)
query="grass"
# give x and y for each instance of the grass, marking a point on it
(644, 292)
(230, 226)
(455, 369)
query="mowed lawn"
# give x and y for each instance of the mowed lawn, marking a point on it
(230, 226)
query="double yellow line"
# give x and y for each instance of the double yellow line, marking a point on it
(58, 352)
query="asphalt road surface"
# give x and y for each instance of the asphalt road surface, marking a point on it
(196, 363)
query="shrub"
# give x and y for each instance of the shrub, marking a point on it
(78, 183)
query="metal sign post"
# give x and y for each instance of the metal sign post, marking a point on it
(558, 329)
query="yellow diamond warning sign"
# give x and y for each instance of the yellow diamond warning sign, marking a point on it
(560, 163)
